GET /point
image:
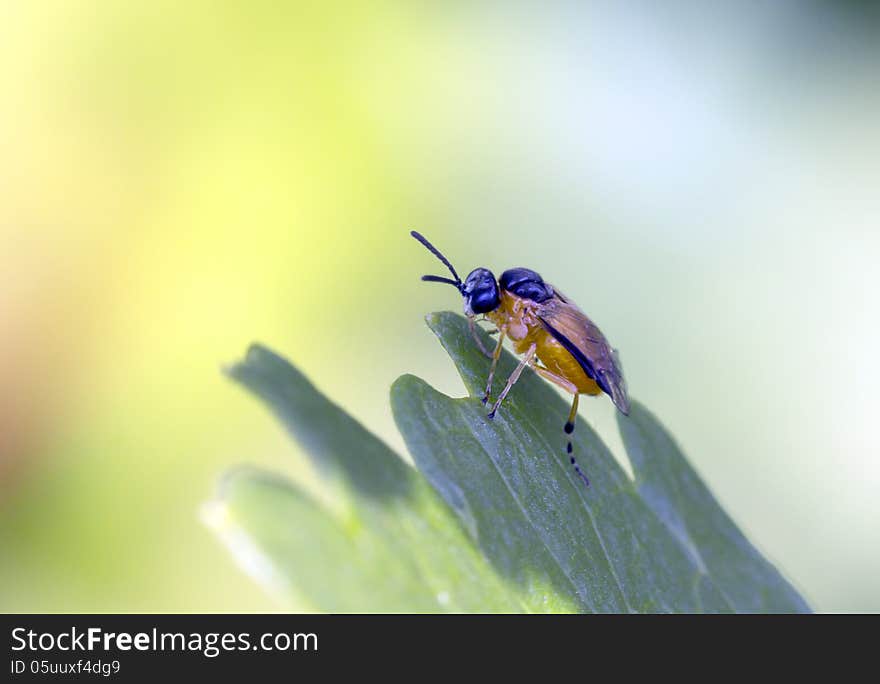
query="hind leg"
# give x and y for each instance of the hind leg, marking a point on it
(572, 414)
(547, 374)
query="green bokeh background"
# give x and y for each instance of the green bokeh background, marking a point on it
(179, 179)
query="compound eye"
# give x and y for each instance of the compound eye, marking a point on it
(485, 298)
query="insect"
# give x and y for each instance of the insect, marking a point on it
(554, 337)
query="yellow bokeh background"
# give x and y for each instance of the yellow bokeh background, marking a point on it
(180, 179)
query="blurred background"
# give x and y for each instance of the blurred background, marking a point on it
(180, 179)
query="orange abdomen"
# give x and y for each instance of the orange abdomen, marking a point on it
(557, 360)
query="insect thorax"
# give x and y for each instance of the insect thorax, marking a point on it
(526, 284)
(515, 314)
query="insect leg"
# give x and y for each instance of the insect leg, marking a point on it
(473, 328)
(572, 414)
(526, 360)
(495, 356)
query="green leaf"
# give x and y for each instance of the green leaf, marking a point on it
(495, 518)
(677, 495)
(391, 544)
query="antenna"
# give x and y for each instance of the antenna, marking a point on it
(436, 252)
(440, 279)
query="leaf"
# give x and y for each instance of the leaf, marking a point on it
(504, 525)
(392, 546)
(677, 495)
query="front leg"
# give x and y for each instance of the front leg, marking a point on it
(502, 332)
(473, 328)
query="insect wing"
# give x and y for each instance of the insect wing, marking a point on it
(585, 342)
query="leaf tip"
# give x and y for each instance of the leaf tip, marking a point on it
(252, 356)
(437, 320)
(221, 517)
(402, 382)
(404, 389)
